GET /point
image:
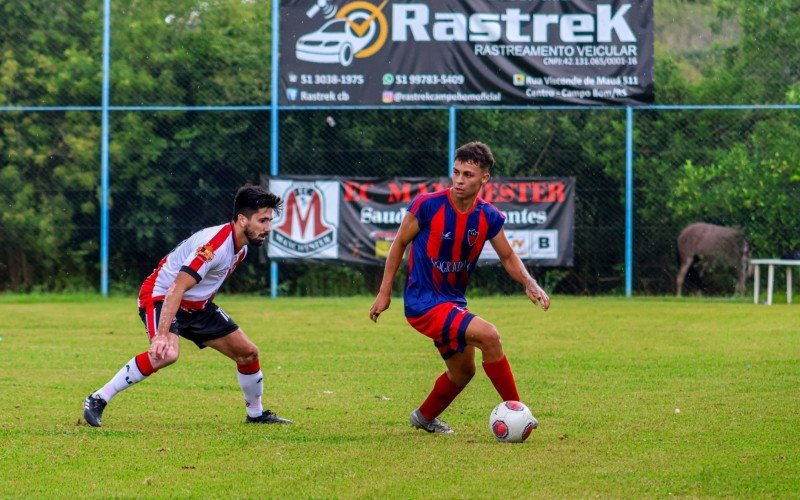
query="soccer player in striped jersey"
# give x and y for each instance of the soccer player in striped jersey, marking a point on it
(447, 231)
(177, 299)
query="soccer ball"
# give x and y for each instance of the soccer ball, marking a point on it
(512, 422)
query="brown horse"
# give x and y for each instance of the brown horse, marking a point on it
(724, 245)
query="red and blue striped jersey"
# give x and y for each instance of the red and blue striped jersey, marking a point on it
(445, 251)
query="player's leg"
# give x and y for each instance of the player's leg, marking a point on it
(484, 336)
(245, 354)
(461, 366)
(446, 325)
(460, 370)
(137, 369)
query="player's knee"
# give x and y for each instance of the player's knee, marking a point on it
(247, 356)
(491, 338)
(490, 345)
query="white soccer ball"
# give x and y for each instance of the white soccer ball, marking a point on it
(512, 422)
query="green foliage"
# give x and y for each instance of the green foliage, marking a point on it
(176, 172)
(208, 53)
(685, 32)
(736, 168)
(48, 199)
(765, 62)
(190, 53)
(173, 172)
(753, 185)
(50, 53)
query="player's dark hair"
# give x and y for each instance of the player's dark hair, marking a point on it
(250, 199)
(478, 153)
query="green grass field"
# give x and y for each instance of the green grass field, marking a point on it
(653, 397)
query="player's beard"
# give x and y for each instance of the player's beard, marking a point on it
(254, 239)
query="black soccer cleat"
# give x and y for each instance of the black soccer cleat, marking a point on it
(93, 410)
(267, 417)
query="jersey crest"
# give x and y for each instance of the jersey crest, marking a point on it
(472, 236)
(206, 252)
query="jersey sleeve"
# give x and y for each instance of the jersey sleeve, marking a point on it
(206, 250)
(495, 219)
(199, 262)
(420, 210)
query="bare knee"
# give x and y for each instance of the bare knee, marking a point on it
(490, 344)
(247, 356)
(492, 338)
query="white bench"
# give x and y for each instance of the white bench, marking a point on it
(771, 263)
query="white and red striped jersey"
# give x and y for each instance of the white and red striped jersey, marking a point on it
(209, 255)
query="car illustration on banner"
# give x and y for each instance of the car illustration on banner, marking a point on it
(358, 30)
(334, 42)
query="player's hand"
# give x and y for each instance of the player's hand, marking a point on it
(537, 295)
(381, 304)
(162, 345)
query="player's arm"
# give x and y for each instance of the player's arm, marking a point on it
(164, 340)
(409, 228)
(516, 269)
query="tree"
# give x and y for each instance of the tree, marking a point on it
(48, 160)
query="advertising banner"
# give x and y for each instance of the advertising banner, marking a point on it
(465, 52)
(356, 219)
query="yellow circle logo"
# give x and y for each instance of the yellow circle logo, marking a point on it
(365, 19)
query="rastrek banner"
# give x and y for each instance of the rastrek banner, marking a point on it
(465, 52)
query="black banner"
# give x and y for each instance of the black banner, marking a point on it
(355, 219)
(465, 52)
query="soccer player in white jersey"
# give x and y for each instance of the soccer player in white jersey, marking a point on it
(177, 299)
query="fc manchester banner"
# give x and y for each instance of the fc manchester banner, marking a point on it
(356, 219)
(465, 52)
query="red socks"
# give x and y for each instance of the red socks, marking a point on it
(443, 393)
(249, 368)
(144, 365)
(499, 372)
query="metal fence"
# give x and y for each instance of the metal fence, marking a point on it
(101, 176)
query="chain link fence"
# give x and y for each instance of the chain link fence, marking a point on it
(175, 166)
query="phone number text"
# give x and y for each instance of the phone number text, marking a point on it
(332, 79)
(424, 79)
